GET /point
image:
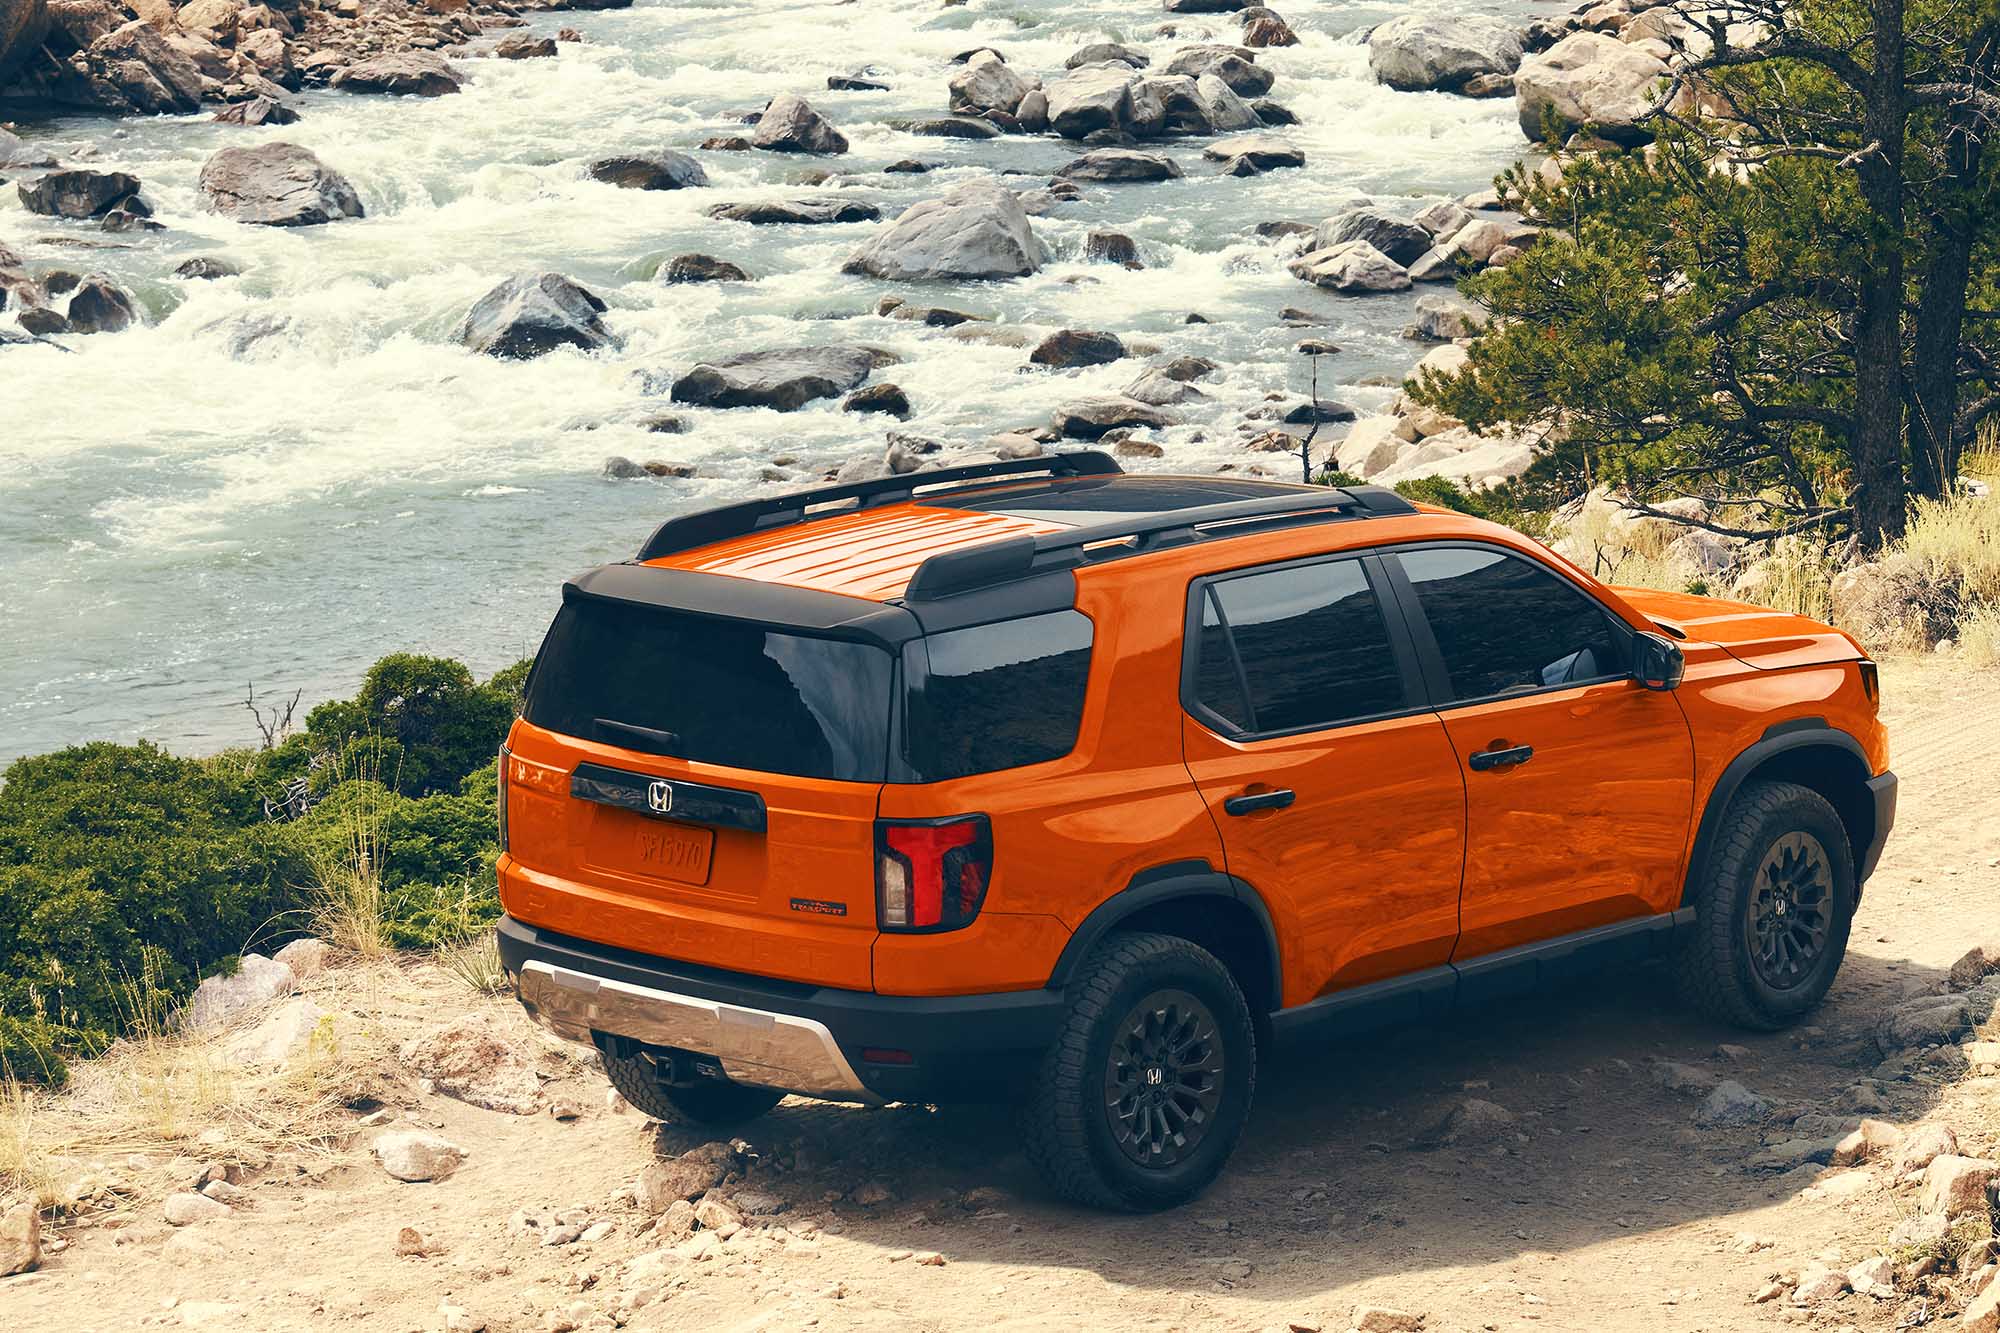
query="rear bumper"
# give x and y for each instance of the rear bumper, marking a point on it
(816, 1040)
(1883, 792)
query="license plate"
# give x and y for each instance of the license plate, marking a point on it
(668, 851)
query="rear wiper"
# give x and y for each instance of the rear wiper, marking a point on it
(650, 739)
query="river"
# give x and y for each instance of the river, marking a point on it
(284, 475)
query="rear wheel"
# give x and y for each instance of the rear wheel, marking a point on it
(1772, 909)
(717, 1103)
(1143, 1096)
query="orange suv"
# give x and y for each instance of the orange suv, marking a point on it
(1042, 782)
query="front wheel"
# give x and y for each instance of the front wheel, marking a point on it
(1143, 1096)
(717, 1104)
(1772, 909)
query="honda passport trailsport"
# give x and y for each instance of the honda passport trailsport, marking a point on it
(1042, 782)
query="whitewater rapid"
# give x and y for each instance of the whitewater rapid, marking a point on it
(284, 475)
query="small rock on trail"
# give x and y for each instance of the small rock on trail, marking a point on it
(415, 1156)
(20, 1240)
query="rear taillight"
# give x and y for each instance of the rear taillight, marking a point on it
(1871, 681)
(500, 797)
(931, 874)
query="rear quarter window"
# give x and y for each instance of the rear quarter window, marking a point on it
(995, 696)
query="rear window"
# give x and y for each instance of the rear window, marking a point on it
(996, 696)
(714, 691)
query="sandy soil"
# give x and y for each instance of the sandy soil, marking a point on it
(1600, 1205)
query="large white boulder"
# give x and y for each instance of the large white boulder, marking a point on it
(1352, 267)
(1589, 78)
(1416, 52)
(256, 981)
(977, 230)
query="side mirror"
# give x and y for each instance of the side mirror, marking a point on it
(1657, 662)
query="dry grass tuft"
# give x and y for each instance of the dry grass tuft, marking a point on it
(476, 963)
(162, 1091)
(347, 906)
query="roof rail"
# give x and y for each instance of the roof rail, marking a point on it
(714, 525)
(1014, 558)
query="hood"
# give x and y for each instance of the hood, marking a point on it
(1756, 635)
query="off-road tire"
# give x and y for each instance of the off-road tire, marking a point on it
(1064, 1121)
(1717, 968)
(717, 1104)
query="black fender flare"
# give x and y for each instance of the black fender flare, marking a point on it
(1779, 738)
(1167, 883)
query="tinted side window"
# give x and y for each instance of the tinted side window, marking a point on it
(1313, 649)
(996, 696)
(1507, 627)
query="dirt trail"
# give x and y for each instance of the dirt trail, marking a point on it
(1593, 1201)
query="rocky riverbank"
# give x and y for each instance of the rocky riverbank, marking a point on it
(1118, 103)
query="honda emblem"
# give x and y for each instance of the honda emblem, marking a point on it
(660, 796)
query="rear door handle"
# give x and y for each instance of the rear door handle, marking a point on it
(1249, 803)
(1513, 757)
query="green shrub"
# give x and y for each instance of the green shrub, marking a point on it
(513, 681)
(108, 849)
(445, 723)
(31, 1050)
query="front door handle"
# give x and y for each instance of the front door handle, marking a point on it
(1249, 803)
(1512, 757)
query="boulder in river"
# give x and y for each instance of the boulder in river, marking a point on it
(1066, 349)
(987, 83)
(77, 194)
(1090, 98)
(1268, 29)
(1120, 164)
(954, 127)
(661, 170)
(1089, 418)
(977, 230)
(532, 314)
(1244, 77)
(522, 46)
(785, 378)
(815, 212)
(277, 185)
(1589, 78)
(1419, 52)
(1254, 154)
(1204, 6)
(1102, 53)
(99, 306)
(701, 268)
(888, 398)
(257, 111)
(14, 153)
(1225, 110)
(1402, 241)
(790, 125)
(415, 73)
(1112, 247)
(205, 269)
(1353, 267)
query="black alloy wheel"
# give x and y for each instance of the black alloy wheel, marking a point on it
(1163, 1078)
(1790, 914)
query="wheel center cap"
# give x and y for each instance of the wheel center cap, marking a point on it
(1780, 907)
(1155, 1076)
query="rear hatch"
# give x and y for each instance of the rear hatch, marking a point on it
(701, 789)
